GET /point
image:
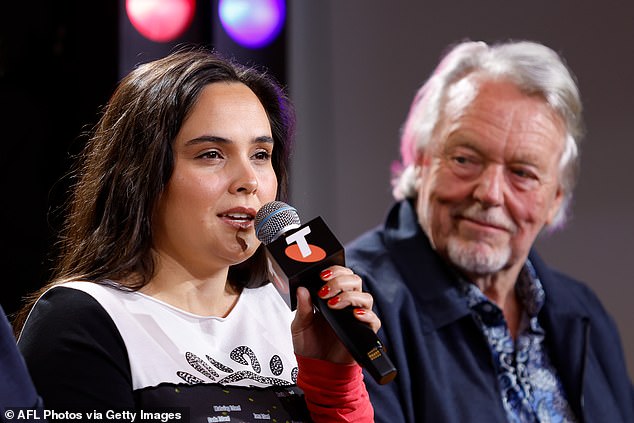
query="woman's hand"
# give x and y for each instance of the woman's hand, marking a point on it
(312, 335)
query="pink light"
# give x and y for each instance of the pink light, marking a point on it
(161, 20)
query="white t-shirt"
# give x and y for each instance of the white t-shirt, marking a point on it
(252, 346)
(98, 347)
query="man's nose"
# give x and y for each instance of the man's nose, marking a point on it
(490, 186)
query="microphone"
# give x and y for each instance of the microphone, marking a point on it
(296, 254)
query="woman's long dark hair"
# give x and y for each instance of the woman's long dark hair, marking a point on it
(128, 160)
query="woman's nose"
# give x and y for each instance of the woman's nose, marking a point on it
(245, 180)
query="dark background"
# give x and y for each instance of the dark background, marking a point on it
(352, 68)
(58, 65)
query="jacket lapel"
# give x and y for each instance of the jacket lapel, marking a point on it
(567, 332)
(409, 247)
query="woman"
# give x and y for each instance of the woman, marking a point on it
(161, 296)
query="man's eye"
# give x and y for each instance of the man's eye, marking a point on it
(524, 174)
(462, 160)
(465, 166)
(524, 179)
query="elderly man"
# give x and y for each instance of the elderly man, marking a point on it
(479, 327)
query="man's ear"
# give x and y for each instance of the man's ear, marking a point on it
(420, 161)
(422, 158)
(555, 206)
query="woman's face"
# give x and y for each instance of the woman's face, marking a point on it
(222, 175)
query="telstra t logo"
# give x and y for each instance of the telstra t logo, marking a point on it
(300, 250)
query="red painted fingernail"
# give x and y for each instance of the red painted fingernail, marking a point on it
(334, 300)
(325, 290)
(325, 274)
(359, 311)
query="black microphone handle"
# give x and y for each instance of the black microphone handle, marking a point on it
(360, 340)
(290, 270)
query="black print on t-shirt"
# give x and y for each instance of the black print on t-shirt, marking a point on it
(239, 355)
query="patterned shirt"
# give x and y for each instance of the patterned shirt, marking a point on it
(528, 382)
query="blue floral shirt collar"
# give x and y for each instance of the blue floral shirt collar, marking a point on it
(530, 388)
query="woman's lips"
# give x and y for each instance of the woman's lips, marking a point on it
(241, 218)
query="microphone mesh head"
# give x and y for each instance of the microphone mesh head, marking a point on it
(273, 219)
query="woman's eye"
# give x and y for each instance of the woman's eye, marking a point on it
(212, 154)
(262, 155)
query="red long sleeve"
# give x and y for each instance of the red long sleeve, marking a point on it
(334, 392)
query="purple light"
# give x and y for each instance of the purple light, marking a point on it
(252, 23)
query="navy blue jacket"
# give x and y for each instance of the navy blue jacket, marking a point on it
(446, 373)
(16, 387)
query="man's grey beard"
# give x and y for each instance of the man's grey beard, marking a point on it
(473, 259)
